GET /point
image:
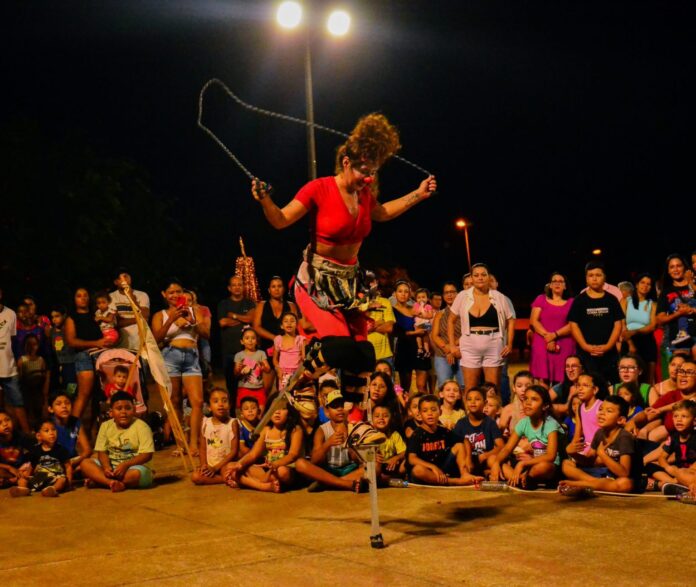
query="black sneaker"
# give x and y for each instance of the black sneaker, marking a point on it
(674, 489)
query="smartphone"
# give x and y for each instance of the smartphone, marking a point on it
(181, 302)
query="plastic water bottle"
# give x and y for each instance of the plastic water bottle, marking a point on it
(494, 486)
(688, 498)
(398, 483)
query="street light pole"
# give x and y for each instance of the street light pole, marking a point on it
(309, 101)
(462, 223)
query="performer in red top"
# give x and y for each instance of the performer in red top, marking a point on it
(327, 284)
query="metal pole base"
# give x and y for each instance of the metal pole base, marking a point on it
(377, 541)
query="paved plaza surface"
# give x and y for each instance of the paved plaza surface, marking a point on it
(179, 534)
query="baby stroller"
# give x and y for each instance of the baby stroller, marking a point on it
(105, 366)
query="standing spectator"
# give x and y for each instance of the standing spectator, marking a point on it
(641, 318)
(406, 359)
(28, 324)
(233, 313)
(552, 343)
(267, 322)
(9, 380)
(595, 321)
(127, 326)
(488, 328)
(380, 325)
(204, 351)
(177, 329)
(82, 333)
(676, 307)
(445, 362)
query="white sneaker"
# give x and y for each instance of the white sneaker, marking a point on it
(682, 336)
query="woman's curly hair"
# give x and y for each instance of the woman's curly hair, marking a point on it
(373, 140)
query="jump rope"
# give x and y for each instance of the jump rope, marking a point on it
(271, 114)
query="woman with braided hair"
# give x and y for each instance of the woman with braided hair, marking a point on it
(343, 208)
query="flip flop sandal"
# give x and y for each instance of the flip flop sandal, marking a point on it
(570, 491)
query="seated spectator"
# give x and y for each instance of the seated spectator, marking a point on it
(631, 394)
(118, 382)
(612, 463)
(391, 453)
(539, 463)
(249, 416)
(71, 434)
(435, 455)
(219, 441)
(480, 431)
(563, 392)
(50, 472)
(451, 410)
(514, 411)
(670, 383)
(591, 388)
(279, 446)
(678, 456)
(124, 447)
(13, 453)
(630, 371)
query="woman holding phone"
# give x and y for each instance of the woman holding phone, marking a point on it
(177, 329)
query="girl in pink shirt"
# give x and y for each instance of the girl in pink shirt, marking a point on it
(590, 387)
(288, 349)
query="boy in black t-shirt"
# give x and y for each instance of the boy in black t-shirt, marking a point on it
(676, 462)
(611, 464)
(595, 322)
(435, 456)
(51, 468)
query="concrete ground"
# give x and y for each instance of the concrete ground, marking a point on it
(179, 534)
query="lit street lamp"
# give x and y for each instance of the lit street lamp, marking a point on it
(463, 224)
(289, 16)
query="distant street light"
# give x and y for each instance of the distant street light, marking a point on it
(289, 16)
(596, 252)
(463, 224)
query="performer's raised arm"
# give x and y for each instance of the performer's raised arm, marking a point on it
(394, 208)
(277, 217)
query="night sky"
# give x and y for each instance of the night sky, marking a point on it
(556, 127)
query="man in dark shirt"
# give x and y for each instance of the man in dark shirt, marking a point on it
(233, 313)
(595, 323)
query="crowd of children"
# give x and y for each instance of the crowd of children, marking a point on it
(630, 435)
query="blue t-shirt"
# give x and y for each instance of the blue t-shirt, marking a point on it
(539, 437)
(481, 437)
(67, 435)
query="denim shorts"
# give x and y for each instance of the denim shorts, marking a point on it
(181, 362)
(13, 395)
(84, 362)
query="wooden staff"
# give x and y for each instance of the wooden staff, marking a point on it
(177, 430)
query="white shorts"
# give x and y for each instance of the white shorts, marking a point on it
(481, 350)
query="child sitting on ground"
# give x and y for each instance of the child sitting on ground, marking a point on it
(51, 472)
(392, 452)
(571, 420)
(71, 435)
(279, 445)
(435, 455)
(333, 464)
(631, 393)
(514, 411)
(481, 431)
(423, 314)
(493, 407)
(676, 462)
(124, 446)
(451, 404)
(611, 463)
(14, 464)
(413, 417)
(589, 386)
(540, 462)
(220, 437)
(106, 317)
(325, 388)
(249, 415)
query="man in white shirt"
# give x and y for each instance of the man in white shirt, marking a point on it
(127, 327)
(9, 382)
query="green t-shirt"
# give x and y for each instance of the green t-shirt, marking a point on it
(122, 444)
(539, 437)
(644, 391)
